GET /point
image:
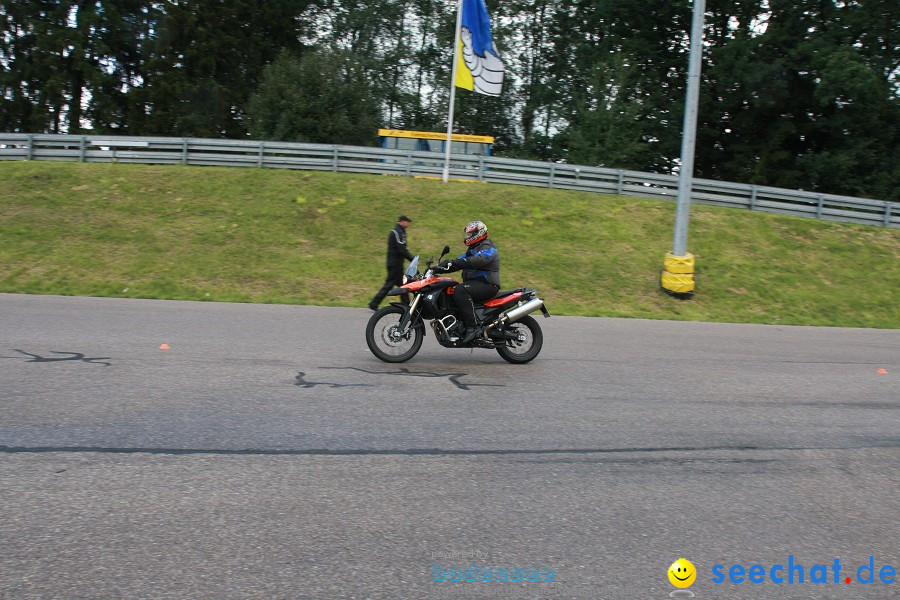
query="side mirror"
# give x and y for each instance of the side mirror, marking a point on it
(429, 262)
(445, 251)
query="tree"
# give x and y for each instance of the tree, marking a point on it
(36, 54)
(794, 93)
(323, 97)
(202, 63)
(799, 103)
(624, 96)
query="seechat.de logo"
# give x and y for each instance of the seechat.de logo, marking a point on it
(682, 573)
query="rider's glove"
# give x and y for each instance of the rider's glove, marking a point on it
(445, 265)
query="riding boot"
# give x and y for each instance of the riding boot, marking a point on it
(470, 335)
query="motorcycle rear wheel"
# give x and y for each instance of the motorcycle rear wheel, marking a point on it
(385, 340)
(522, 351)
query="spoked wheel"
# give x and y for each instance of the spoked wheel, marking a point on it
(385, 339)
(527, 343)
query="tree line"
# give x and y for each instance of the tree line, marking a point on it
(794, 93)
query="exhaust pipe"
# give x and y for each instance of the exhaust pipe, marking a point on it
(514, 314)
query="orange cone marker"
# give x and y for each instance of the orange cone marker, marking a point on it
(881, 371)
(164, 347)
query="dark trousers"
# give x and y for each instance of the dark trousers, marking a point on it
(467, 293)
(394, 280)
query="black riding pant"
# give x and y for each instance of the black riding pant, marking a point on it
(394, 280)
(467, 293)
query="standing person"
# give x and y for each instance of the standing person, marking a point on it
(396, 252)
(480, 265)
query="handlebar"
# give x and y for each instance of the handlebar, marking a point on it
(429, 269)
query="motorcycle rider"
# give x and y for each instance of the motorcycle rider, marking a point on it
(480, 265)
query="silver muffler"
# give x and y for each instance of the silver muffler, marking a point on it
(514, 314)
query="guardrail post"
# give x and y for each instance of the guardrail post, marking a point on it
(29, 153)
(184, 151)
(552, 174)
(81, 145)
(620, 182)
(753, 189)
(819, 206)
(409, 164)
(259, 160)
(480, 167)
(888, 206)
(334, 166)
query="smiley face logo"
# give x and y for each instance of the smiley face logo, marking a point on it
(682, 573)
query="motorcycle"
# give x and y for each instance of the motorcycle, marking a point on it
(395, 333)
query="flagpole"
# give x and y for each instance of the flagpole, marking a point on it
(446, 176)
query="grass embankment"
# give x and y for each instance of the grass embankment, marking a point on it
(251, 235)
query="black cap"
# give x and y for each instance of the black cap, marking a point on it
(404, 218)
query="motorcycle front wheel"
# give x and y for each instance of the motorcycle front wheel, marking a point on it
(527, 344)
(385, 339)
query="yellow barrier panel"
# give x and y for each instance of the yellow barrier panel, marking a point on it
(451, 179)
(432, 135)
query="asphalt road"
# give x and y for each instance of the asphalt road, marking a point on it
(265, 453)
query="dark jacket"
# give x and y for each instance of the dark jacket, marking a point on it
(481, 262)
(397, 249)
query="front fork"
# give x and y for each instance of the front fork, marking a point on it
(406, 319)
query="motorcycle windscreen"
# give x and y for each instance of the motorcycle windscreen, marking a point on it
(413, 267)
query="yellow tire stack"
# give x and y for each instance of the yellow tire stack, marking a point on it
(677, 278)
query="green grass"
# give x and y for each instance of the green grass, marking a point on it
(252, 235)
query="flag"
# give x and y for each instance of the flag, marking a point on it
(480, 69)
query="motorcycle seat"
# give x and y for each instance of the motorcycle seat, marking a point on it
(498, 300)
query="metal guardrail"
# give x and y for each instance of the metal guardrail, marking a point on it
(357, 159)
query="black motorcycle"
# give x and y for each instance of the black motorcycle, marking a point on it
(395, 332)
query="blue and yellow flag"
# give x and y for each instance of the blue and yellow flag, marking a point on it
(479, 68)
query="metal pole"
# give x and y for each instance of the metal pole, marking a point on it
(446, 176)
(689, 135)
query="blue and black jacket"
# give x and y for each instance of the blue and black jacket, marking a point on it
(480, 262)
